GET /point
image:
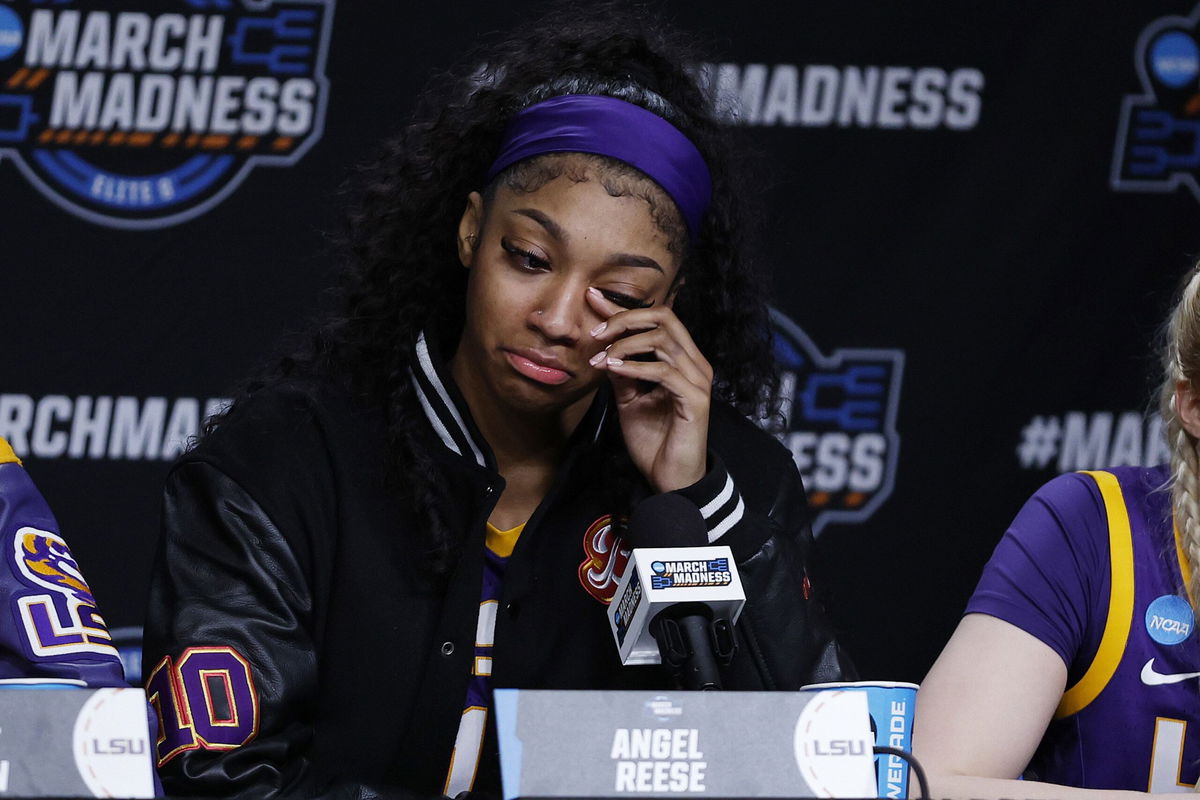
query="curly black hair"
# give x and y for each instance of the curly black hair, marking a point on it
(403, 274)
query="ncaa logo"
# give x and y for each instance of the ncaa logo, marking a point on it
(146, 114)
(839, 420)
(1169, 620)
(1158, 138)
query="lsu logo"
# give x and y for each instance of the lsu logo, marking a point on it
(1158, 138)
(58, 613)
(146, 114)
(606, 557)
(839, 420)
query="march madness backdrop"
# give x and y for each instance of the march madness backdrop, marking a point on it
(974, 217)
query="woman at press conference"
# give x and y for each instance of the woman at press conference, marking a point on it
(1076, 664)
(547, 318)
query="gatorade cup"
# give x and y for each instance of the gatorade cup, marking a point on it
(891, 705)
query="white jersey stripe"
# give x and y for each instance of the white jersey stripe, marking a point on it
(464, 759)
(485, 627)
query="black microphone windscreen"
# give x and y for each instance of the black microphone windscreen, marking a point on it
(667, 520)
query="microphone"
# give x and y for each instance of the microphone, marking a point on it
(667, 520)
(679, 597)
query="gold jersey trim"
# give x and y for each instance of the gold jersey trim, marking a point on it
(1120, 601)
(7, 456)
(1185, 568)
(502, 542)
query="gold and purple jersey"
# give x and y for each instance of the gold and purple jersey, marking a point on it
(472, 729)
(53, 631)
(1092, 566)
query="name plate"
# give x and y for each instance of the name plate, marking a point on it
(73, 742)
(670, 744)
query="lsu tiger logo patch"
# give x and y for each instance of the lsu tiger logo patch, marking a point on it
(56, 612)
(606, 558)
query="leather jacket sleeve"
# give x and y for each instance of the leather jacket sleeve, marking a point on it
(227, 590)
(784, 638)
(229, 645)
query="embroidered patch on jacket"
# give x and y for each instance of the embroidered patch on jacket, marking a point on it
(604, 565)
(57, 612)
(205, 700)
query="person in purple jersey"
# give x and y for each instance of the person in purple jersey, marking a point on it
(55, 633)
(547, 318)
(1077, 664)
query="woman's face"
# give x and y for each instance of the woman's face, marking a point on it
(532, 257)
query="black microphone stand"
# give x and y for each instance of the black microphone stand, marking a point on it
(692, 643)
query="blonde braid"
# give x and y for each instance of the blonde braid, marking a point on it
(1181, 361)
(1184, 476)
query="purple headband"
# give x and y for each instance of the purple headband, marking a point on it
(606, 126)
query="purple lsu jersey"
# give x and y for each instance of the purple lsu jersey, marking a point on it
(1131, 720)
(54, 631)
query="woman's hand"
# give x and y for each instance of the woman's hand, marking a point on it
(663, 402)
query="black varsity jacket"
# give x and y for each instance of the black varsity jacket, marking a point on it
(295, 647)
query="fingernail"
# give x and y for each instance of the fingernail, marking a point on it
(596, 359)
(615, 362)
(599, 329)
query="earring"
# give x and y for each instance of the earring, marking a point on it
(471, 239)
